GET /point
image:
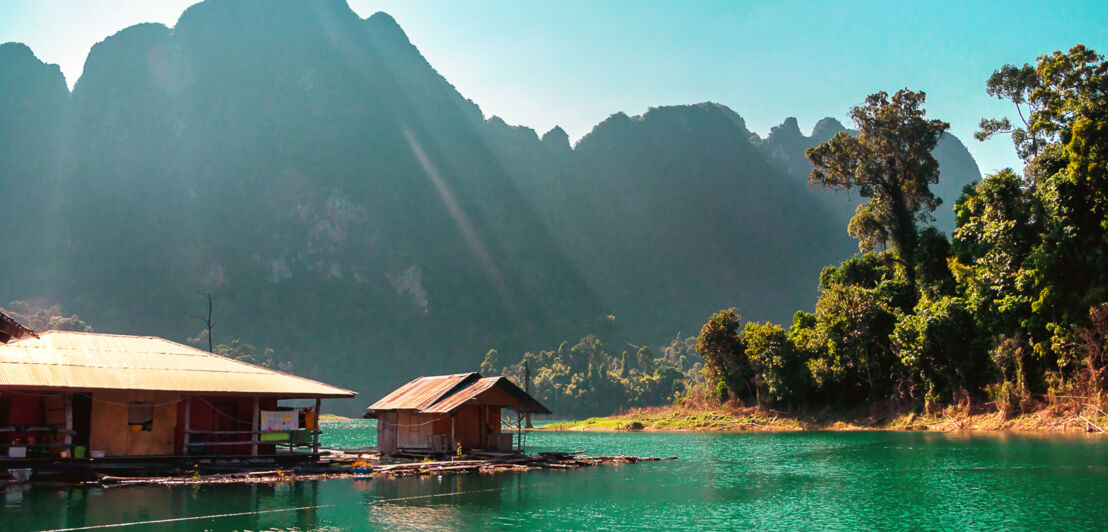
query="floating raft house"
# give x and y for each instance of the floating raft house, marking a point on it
(440, 413)
(71, 396)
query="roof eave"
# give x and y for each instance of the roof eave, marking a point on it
(346, 394)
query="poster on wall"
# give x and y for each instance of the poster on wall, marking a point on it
(280, 420)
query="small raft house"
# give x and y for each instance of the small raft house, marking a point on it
(73, 395)
(441, 413)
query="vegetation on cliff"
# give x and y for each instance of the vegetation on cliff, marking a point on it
(1006, 317)
(349, 208)
(584, 379)
(1013, 309)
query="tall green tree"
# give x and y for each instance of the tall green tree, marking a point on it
(782, 374)
(491, 365)
(726, 366)
(1016, 84)
(854, 324)
(1063, 101)
(890, 163)
(940, 350)
(42, 318)
(998, 227)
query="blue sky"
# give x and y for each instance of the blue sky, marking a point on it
(573, 63)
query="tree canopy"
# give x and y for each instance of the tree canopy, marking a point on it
(889, 162)
(1013, 308)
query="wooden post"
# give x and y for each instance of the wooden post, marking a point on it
(527, 389)
(254, 426)
(453, 435)
(188, 411)
(69, 421)
(315, 431)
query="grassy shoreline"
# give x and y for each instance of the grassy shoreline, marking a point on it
(953, 419)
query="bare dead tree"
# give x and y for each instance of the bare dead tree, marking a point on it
(207, 321)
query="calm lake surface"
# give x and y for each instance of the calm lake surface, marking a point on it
(823, 480)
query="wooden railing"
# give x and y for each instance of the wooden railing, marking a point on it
(252, 441)
(254, 435)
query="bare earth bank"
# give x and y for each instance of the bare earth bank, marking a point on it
(1072, 418)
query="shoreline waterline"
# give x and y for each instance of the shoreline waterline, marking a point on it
(973, 420)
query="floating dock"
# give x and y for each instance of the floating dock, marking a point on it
(335, 464)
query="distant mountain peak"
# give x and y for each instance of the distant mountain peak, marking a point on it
(618, 118)
(17, 61)
(384, 25)
(731, 115)
(789, 129)
(826, 128)
(19, 54)
(556, 139)
(496, 121)
(556, 131)
(125, 54)
(383, 18)
(16, 50)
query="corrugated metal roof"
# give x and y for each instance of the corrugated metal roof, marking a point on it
(88, 361)
(449, 403)
(423, 392)
(443, 394)
(11, 329)
(526, 404)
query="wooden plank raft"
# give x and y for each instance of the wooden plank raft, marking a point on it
(343, 467)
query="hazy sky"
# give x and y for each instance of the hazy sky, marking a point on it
(573, 63)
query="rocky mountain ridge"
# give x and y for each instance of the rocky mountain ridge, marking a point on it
(349, 208)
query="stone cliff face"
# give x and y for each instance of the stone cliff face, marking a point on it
(785, 147)
(348, 207)
(34, 102)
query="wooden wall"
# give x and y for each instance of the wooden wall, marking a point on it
(111, 433)
(471, 425)
(386, 432)
(21, 409)
(474, 424)
(233, 413)
(413, 430)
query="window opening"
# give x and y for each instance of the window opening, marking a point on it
(141, 417)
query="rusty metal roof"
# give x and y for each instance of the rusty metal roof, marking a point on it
(423, 392)
(92, 361)
(11, 329)
(472, 393)
(445, 393)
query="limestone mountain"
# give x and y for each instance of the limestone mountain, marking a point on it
(33, 105)
(785, 146)
(349, 208)
(675, 213)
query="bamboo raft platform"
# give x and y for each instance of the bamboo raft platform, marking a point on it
(366, 465)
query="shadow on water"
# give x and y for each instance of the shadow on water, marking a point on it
(164, 508)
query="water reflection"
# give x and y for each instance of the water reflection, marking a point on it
(825, 480)
(181, 508)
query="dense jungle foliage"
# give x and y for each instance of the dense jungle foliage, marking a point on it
(1012, 309)
(585, 379)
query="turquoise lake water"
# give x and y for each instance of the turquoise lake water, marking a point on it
(810, 480)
